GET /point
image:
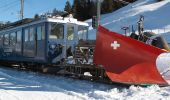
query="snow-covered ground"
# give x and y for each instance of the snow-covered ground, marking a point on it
(156, 15)
(21, 85)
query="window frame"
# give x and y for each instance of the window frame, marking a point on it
(26, 39)
(4, 39)
(73, 26)
(40, 28)
(59, 36)
(1, 36)
(84, 34)
(17, 32)
(31, 33)
(12, 41)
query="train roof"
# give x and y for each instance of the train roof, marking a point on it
(30, 21)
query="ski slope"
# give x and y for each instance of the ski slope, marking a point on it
(21, 85)
(156, 17)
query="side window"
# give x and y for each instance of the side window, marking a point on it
(26, 33)
(6, 39)
(82, 32)
(31, 34)
(40, 32)
(18, 36)
(1, 39)
(57, 31)
(70, 32)
(43, 31)
(12, 38)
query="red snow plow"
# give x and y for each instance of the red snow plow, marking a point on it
(127, 60)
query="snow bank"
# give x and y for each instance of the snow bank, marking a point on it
(20, 85)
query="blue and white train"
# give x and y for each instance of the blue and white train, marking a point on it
(47, 40)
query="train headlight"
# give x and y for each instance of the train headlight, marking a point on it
(52, 46)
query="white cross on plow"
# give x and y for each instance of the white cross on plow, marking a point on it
(115, 45)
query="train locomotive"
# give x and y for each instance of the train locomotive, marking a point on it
(60, 45)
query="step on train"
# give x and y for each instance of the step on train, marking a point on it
(60, 45)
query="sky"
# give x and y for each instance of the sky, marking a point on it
(9, 9)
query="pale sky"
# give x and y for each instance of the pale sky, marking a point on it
(9, 9)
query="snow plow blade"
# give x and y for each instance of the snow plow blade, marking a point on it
(130, 61)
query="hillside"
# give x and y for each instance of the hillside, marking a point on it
(156, 17)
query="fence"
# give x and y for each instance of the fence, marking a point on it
(159, 31)
(129, 30)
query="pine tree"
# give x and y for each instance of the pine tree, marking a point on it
(83, 10)
(75, 8)
(36, 16)
(92, 9)
(159, 0)
(54, 12)
(107, 6)
(68, 7)
(117, 5)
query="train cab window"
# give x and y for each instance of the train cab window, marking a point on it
(82, 32)
(31, 34)
(13, 38)
(6, 39)
(40, 32)
(26, 33)
(70, 32)
(18, 36)
(57, 31)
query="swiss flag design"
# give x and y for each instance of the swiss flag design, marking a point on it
(127, 60)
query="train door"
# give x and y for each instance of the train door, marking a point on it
(70, 39)
(56, 42)
(40, 42)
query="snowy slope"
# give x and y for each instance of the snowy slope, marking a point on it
(19, 85)
(156, 17)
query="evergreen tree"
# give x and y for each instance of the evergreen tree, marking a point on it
(68, 7)
(76, 9)
(54, 11)
(107, 6)
(160, 0)
(85, 9)
(92, 9)
(36, 16)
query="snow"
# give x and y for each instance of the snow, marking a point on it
(156, 17)
(22, 85)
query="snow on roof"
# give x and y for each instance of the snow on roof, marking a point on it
(67, 20)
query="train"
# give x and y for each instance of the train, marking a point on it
(49, 44)
(45, 40)
(61, 45)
